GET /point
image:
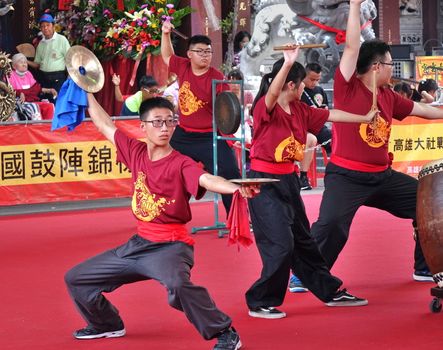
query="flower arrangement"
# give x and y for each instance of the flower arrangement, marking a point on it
(107, 31)
(139, 33)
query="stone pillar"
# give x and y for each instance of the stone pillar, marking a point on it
(388, 21)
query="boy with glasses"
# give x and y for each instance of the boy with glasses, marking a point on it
(193, 137)
(359, 171)
(164, 181)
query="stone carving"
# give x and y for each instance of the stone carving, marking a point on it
(278, 22)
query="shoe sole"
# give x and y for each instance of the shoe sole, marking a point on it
(298, 290)
(266, 316)
(115, 334)
(347, 303)
(422, 278)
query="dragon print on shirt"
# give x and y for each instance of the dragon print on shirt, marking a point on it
(289, 150)
(188, 102)
(144, 204)
(376, 133)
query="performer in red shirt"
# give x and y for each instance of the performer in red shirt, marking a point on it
(193, 136)
(162, 249)
(359, 171)
(281, 227)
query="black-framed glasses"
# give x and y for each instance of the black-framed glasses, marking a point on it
(388, 63)
(158, 123)
(202, 52)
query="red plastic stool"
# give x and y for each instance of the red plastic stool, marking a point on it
(312, 172)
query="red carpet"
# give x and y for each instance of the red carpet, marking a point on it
(36, 312)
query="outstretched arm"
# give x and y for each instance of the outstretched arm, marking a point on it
(337, 115)
(101, 119)
(166, 44)
(426, 111)
(220, 185)
(348, 61)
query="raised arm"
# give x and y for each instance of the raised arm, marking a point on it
(101, 119)
(117, 92)
(166, 44)
(348, 61)
(426, 111)
(278, 82)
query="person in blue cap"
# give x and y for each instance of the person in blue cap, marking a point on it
(50, 55)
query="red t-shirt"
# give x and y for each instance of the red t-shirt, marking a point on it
(281, 137)
(163, 188)
(358, 146)
(195, 94)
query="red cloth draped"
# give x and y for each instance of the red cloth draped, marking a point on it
(106, 97)
(238, 222)
(340, 34)
(158, 69)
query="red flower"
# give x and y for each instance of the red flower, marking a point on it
(171, 11)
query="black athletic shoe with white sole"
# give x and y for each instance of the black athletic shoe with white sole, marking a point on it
(228, 340)
(343, 298)
(92, 333)
(266, 312)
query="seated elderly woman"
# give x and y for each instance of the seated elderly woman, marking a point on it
(28, 91)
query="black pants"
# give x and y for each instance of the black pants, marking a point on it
(281, 230)
(347, 190)
(198, 146)
(140, 260)
(53, 80)
(324, 135)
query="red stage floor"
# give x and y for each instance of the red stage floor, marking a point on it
(36, 312)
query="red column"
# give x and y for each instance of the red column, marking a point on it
(389, 21)
(201, 24)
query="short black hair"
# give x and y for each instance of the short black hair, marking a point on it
(199, 39)
(427, 85)
(403, 87)
(147, 81)
(154, 102)
(313, 67)
(235, 74)
(371, 51)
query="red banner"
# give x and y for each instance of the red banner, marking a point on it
(37, 165)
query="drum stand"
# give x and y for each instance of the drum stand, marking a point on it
(219, 225)
(435, 304)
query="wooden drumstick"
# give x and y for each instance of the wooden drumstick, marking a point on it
(374, 89)
(294, 46)
(180, 34)
(374, 97)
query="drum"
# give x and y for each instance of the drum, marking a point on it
(430, 217)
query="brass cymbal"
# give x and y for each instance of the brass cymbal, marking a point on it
(85, 69)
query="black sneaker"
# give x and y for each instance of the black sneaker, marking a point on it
(422, 276)
(343, 298)
(304, 183)
(228, 340)
(266, 312)
(92, 333)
